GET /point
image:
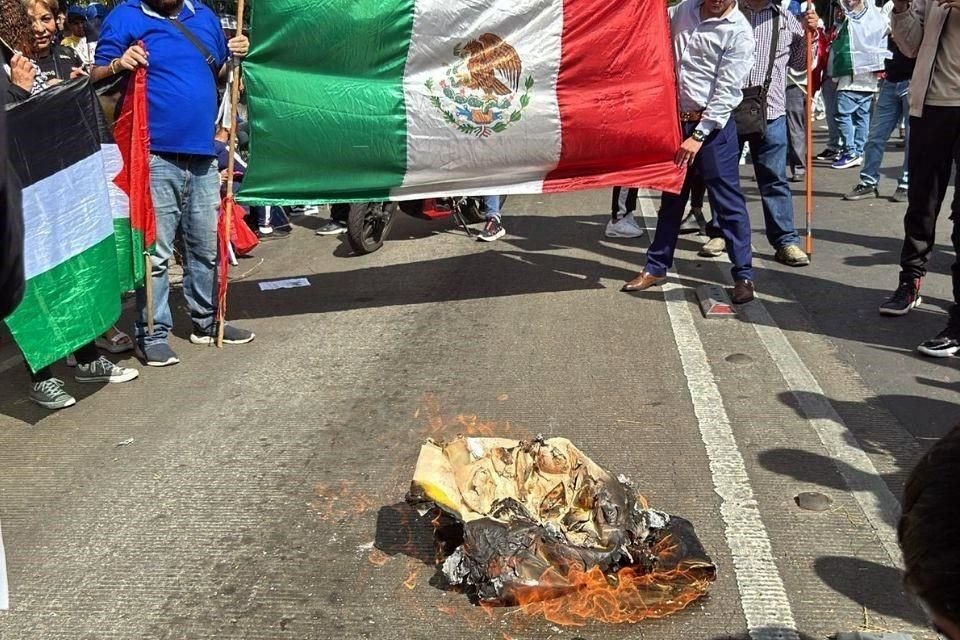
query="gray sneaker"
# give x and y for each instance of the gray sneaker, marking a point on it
(102, 370)
(49, 394)
(713, 248)
(158, 354)
(231, 335)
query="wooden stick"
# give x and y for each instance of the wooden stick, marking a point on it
(808, 239)
(228, 210)
(148, 289)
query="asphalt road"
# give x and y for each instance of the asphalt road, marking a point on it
(256, 495)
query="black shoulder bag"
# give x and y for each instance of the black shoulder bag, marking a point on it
(195, 41)
(751, 113)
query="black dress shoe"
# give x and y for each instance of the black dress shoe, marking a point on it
(743, 291)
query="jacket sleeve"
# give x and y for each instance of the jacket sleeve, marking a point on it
(908, 27)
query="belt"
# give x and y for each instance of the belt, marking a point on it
(691, 116)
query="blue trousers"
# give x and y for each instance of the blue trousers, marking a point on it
(853, 119)
(718, 164)
(893, 104)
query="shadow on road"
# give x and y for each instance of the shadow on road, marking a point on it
(877, 587)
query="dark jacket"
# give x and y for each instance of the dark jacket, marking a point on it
(11, 221)
(59, 64)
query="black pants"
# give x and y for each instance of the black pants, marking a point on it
(84, 355)
(934, 151)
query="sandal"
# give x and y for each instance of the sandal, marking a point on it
(119, 342)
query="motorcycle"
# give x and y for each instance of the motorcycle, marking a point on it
(369, 223)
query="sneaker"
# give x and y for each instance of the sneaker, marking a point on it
(231, 335)
(691, 222)
(946, 344)
(493, 230)
(900, 195)
(713, 248)
(847, 160)
(863, 191)
(792, 256)
(906, 297)
(828, 155)
(332, 228)
(102, 370)
(49, 394)
(158, 354)
(625, 227)
(799, 176)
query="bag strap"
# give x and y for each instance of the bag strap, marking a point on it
(195, 41)
(774, 45)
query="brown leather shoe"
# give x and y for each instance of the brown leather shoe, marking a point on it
(743, 291)
(643, 281)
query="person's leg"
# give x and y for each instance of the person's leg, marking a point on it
(491, 206)
(719, 163)
(904, 111)
(199, 226)
(166, 188)
(87, 353)
(796, 129)
(861, 121)
(829, 92)
(931, 162)
(769, 154)
(624, 201)
(493, 228)
(669, 218)
(92, 367)
(885, 120)
(698, 190)
(843, 116)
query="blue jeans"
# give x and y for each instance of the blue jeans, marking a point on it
(829, 92)
(853, 119)
(893, 103)
(718, 162)
(491, 207)
(768, 154)
(186, 195)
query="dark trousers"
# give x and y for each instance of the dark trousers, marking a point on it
(934, 151)
(718, 164)
(796, 101)
(84, 355)
(624, 202)
(698, 189)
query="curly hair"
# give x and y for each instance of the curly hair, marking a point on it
(15, 26)
(929, 528)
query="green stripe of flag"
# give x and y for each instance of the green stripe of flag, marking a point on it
(48, 324)
(130, 261)
(357, 71)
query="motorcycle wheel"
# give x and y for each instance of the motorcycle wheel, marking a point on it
(368, 225)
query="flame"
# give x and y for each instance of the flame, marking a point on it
(340, 501)
(438, 425)
(628, 596)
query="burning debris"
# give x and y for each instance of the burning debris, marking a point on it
(542, 526)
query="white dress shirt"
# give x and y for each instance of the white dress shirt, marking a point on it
(713, 58)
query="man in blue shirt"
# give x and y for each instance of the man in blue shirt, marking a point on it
(182, 70)
(713, 48)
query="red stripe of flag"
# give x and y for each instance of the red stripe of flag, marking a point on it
(132, 135)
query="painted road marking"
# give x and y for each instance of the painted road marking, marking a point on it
(763, 596)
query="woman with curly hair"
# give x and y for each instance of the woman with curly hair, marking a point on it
(46, 63)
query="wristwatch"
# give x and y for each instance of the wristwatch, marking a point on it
(698, 135)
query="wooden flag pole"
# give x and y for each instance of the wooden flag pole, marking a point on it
(228, 210)
(808, 240)
(148, 289)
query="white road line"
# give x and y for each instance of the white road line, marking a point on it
(762, 592)
(4, 598)
(880, 507)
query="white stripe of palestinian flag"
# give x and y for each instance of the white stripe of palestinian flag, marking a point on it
(527, 148)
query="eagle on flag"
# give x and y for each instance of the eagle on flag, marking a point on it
(493, 66)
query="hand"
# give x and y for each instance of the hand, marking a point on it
(687, 152)
(812, 20)
(223, 177)
(22, 72)
(77, 72)
(239, 45)
(133, 57)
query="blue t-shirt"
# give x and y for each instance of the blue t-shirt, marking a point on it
(181, 90)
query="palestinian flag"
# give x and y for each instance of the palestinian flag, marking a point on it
(70, 249)
(403, 99)
(126, 156)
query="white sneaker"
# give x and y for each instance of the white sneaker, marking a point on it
(625, 227)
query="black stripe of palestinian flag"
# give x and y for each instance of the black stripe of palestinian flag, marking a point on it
(70, 253)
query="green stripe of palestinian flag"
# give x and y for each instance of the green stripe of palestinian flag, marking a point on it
(359, 77)
(70, 252)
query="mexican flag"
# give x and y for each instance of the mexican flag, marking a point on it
(404, 99)
(861, 43)
(74, 278)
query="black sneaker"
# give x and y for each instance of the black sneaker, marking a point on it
(493, 230)
(906, 297)
(828, 155)
(863, 191)
(946, 344)
(231, 335)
